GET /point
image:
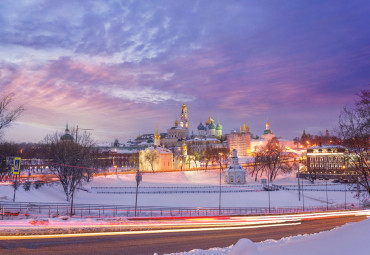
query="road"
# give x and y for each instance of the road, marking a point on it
(163, 242)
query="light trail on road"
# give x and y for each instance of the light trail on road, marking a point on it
(158, 225)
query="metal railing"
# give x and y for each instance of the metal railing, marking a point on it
(62, 210)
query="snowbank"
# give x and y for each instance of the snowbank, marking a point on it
(353, 238)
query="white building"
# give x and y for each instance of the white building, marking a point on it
(235, 173)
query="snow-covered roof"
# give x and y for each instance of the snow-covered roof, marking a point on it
(327, 146)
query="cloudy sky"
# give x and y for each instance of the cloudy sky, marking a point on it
(119, 67)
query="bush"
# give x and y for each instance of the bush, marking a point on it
(27, 185)
(38, 184)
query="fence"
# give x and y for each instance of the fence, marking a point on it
(175, 190)
(44, 210)
(317, 188)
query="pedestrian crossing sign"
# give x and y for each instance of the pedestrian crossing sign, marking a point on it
(17, 165)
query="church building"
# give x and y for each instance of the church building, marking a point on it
(235, 173)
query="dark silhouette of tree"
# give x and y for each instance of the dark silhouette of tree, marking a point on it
(270, 160)
(7, 153)
(354, 130)
(8, 114)
(73, 163)
(134, 159)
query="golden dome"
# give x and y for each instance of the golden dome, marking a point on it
(183, 108)
(176, 123)
(209, 120)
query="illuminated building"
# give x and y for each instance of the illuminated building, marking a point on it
(267, 133)
(159, 158)
(178, 132)
(327, 161)
(235, 173)
(157, 137)
(174, 136)
(210, 129)
(240, 141)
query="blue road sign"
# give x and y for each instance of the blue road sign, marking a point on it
(17, 165)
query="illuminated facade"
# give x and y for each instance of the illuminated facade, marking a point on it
(210, 128)
(240, 141)
(157, 137)
(327, 160)
(235, 173)
(159, 158)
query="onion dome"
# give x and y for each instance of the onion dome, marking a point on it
(209, 120)
(212, 126)
(219, 126)
(201, 127)
(176, 123)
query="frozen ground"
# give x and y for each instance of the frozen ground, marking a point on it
(53, 193)
(353, 238)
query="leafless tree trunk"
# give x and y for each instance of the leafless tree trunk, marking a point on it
(7, 115)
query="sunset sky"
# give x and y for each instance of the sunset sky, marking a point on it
(120, 67)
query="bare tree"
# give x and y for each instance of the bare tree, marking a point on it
(134, 159)
(72, 162)
(270, 160)
(8, 114)
(151, 156)
(354, 130)
(7, 152)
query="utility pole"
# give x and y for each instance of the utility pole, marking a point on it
(85, 129)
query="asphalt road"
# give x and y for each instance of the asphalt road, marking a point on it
(165, 242)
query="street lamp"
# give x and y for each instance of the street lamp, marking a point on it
(219, 202)
(138, 177)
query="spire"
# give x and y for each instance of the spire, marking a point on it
(157, 137)
(156, 130)
(67, 130)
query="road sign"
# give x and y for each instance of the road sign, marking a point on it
(17, 165)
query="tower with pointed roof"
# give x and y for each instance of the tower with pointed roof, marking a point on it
(157, 137)
(267, 133)
(67, 136)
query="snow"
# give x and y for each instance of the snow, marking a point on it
(53, 193)
(352, 238)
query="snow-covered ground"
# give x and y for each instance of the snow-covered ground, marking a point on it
(353, 238)
(255, 197)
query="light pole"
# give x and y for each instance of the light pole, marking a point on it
(327, 199)
(302, 195)
(219, 198)
(139, 177)
(299, 187)
(345, 196)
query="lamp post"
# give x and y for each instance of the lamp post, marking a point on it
(139, 177)
(299, 187)
(219, 198)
